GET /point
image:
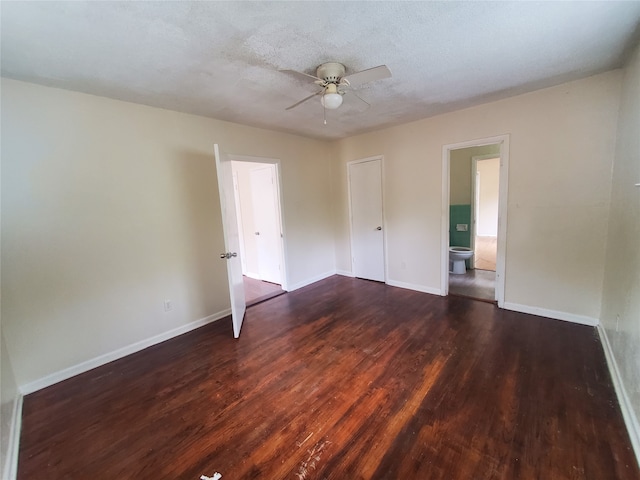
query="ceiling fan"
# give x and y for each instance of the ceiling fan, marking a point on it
(333, 82)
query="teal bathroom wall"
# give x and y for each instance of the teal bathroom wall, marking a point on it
(460, 214)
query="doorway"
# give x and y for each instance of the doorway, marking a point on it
(474, 185)
(257, 197)
(366, 213)
(485, 187)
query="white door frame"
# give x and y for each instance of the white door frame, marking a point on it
(384, 219)
(503, 141)
(474, 200)
(283, 236)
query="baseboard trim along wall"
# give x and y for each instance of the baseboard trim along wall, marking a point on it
(628, 414)
(117, 354)
(309, 281)
(394, 283)
(413, 286)
(556, 315)
(10, 470)
(345, 273)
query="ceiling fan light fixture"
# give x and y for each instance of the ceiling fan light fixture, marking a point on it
(331, 76)
(331, 101)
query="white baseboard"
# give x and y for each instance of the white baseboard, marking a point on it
(10, 470)
(255, 276)
(309, 281)
(345, 273)
(628, 414)
(543, 312)
(117, 354)
(413, 286)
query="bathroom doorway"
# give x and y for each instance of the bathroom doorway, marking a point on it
(257, 198)
(474, 218)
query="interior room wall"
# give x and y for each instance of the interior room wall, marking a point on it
(460, 172)
(109, 208)
(558, 197)
(621, 292)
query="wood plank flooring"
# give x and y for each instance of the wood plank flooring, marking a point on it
(343, 379)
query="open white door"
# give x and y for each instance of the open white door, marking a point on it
(231, 239)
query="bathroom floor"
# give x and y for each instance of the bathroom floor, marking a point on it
(485, 252)
(476, 283)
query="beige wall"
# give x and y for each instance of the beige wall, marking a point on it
(621, 293)
(558, 198)
(460, 172)
(108, 208)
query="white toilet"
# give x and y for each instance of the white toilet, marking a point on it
(457, 256)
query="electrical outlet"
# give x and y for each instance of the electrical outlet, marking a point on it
(168, 305)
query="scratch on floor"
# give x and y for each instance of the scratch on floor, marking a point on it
(299, 444)
(312, 459)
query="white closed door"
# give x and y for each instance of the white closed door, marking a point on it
(365, 192)
(231, 239)
(267, 223)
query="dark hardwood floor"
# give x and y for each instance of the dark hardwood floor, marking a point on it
(343, 379)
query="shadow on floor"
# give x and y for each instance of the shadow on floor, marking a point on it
(476, 283)
(257, 291)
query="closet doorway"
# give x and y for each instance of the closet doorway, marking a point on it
(366, 214)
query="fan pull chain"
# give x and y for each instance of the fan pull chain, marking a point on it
(324, 114)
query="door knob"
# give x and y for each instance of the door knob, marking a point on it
(223, 255)
(257, 233)
(379, 228)
(228, 255)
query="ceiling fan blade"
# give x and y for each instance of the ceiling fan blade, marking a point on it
(304, 100)
(360, 98)
(369, 75)
(300, 75)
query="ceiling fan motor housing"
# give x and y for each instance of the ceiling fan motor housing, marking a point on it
(330, 72)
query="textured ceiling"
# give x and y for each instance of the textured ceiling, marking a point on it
(221, 59)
